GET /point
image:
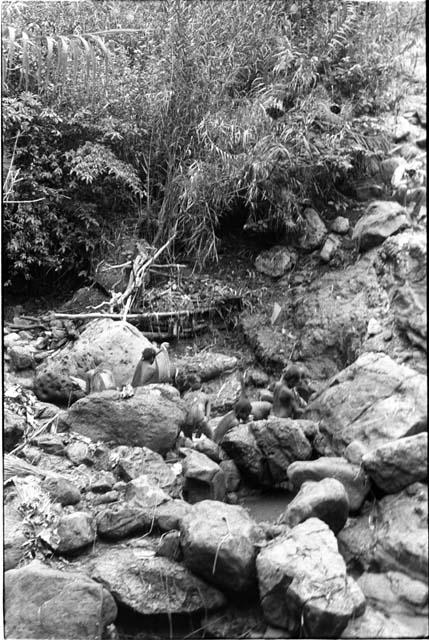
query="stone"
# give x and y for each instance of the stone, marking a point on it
(374, 624)
(401, 130)
(395, 465)
(52, 443)
(13, 429)
(381, 220)
(373, 401)
(374, 327)
(153, 585)
(169, 546)
(257, 377)
(315, 230)
(340, 225)
(79, 453)
(117, 345)
(303, 583)
(121, 520)
(240, 445)
(169, 515)
(351, 476)
(209, 448)
(330, 247)
(41, 602)
(204, 479)
(144, 493)
(106, 498)
(223, 393)
(219, 545)
(231, 475)
(202, 367)
(326, 499)
(72, 533)
(151, 418)
(238, 620)
(9, 339)
(354, 452)
(275, 262)
(61, 490)
(131, 462)
(261, 409)
(21, 357)
(102, 482)
(389, 166)
(16, 534)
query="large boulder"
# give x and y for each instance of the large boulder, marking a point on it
(204, 479)
(41, 602)
(201, 367)
(219, 544)
(71, 534)
(240, 444)
(373, 401)
(131, 462)
(326, 500)
(153, 585)
(121, 520)
(303, 583)
(381, 220)
(395, 465)
(151, 418)
(352, 477)
(115, 344)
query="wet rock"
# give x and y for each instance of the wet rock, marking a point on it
(52, 443)
(304, 585)
(102, 482)
(330, 247)
(372, 401)
(15, 536)
(231, 475)
(374, 624)
(79, 453)
(13, 429)
(41, 602)
(151, 418)
(106, 498)
(132, 462)
(351, 476)
(340, 225)
(201, 367)
(118, 346)
(261, 409)
(169, 515)
(61, 490)
(257, 377)
(209, 448)
(73, 532)
(326, 500)
(169, 546)
(204, 479)
(21, 357)
(381, 220)
(397, 464)
(218, 543)
(144, 493)
(119, 521)
(151, 585)
(275, 262)
(315, 231)
(240, 444)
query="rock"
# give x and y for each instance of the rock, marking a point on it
(9, 339)
(281, 441)
(61, 490)
(201, 367)
(315, 230)
(151, 418)
(102, 482)
(354, 452)
(15, 537)
(364, 190)
(395, 465)
(45, 410)
(389, 166)
(351, 476)
(32, 455)
(402, 130)
(119, 521)
(169, 515)
(132, 462)
(303, 582)
(41, 602)
(231, 475)
(118, 346)
(79, 453)
(257, 377)
(374, 327)
(421, 142)
(238, 620)
(397, 537)
(381, 220)
(209, 448)
(340, 225)
(73, 532)
(143, 493)
(169, 546)
(372, 401)
(275, 262)
(153, 585)
(204, 479)
(326, 499)
(374, 624)
(330, 247)
(52, 443)
(13, 429)
(240, 444)
(223, 393)
(21, 357)
(218, 543)
(265, 395)
(261, 409)
(106, 498)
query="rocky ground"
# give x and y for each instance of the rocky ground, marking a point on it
(115, 526)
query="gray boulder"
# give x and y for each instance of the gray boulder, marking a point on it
(275, 262)
(340, 225)
(326, 500)
(131, 462)
(375, 624)
(41, 602)
(72, 533)
(330, 247)
(61, 490)
(151, 418)
(219, 544)
(352, 477)
(204, 479)
(240, 444)
(381, 220)
(153, 585)
(303, 584)
(315, 230)
(201, 367)
(121, 520)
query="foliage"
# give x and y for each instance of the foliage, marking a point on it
(175, 115)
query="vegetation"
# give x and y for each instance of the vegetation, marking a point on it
(184, 117)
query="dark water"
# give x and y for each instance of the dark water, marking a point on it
(266, 507)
